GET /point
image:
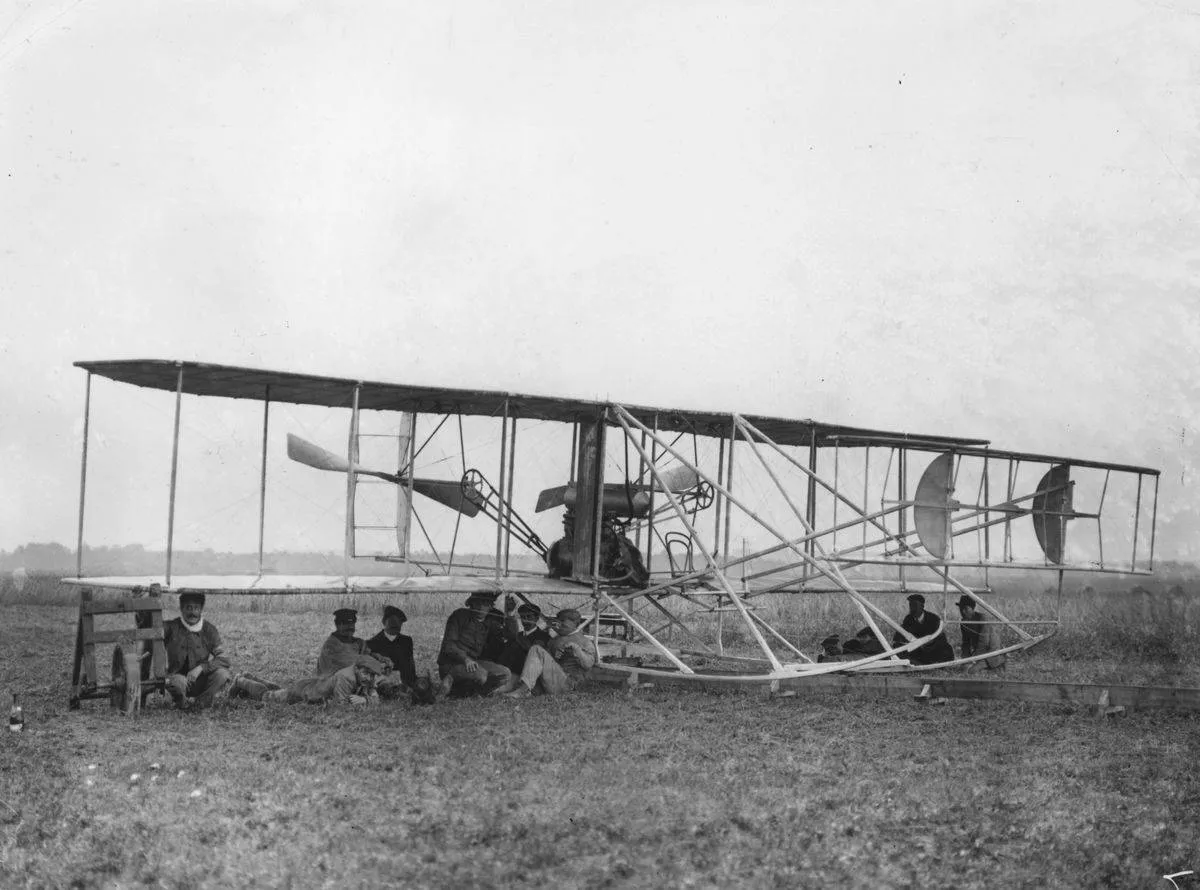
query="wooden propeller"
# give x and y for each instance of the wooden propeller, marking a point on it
(448, 492)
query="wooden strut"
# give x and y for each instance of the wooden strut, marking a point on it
(1108, 701)
(624, 418)
(928, 563)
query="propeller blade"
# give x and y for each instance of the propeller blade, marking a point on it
(450, 494)
(551, 497)
(311, 455)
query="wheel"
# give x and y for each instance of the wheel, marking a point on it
(125, 692)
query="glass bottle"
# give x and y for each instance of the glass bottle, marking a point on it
(16, 716)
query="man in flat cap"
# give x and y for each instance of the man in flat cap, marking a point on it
(560, 665)
(920, 623)
(460, 662)
(971, 625)
(392, 647)
(978, 636)
(523, 633)
(342, 647)
(197, 670)
(353, 684)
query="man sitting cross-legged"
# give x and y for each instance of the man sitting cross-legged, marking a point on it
(460, 664)
(561, 664)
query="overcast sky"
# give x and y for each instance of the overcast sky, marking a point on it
(975, 219)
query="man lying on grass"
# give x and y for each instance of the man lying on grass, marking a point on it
(560, 665)
(197, 671)
(353, 684)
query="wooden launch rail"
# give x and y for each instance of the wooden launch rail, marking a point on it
(1107, 699)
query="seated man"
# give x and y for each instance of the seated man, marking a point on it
(522, 635)
(971, 626)
(353, 684)
(560, 665)
(920, 623)
(460, 662)
(197, 671)
(394, 648)
(978, 633)
(342, 647)
(498, 637)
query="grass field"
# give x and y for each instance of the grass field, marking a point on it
(662, 788)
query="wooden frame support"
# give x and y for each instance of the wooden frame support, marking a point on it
(147, 634)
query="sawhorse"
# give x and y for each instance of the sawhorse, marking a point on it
(139, 663)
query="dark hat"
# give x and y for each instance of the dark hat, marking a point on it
(366, 662)
(191, 597)
(965, 600)
(915, 597)
(341, 615)
(831, 640)
(389, 611)
(529, 609)
(570, 615)
(482, 596)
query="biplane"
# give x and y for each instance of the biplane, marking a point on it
(679, 534)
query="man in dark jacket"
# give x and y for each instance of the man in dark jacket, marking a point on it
(460, 660)
(920, 623)
(393, 647)
(197, 670)
(523, 633)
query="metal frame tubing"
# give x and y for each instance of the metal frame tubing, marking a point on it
(1137, 514)
(653, 505)
(351, 479)
(598, 510)
(925, 562)
(812, 549)
(174, 473)
(1153, 523)
(507, 505)
(262, 479)
(406, 544)
(503, 478)
(623, 417)
(87, 413)
(729, 485)
(663, 650)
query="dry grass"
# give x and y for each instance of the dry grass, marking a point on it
(661, 789)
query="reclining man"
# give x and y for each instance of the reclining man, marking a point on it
(197, 670)
(560, 665)
(353, 684)
(460, 662)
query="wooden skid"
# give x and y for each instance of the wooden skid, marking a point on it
(1184, 699)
